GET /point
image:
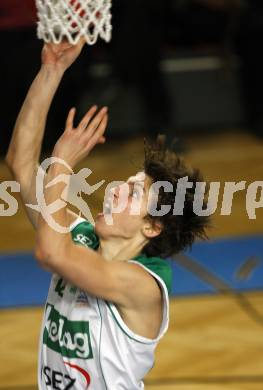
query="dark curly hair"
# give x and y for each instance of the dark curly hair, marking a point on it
(178, 231)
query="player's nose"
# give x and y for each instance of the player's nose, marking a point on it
(115, 191)
(120, 189)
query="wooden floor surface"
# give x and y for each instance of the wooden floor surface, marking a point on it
(213, 343)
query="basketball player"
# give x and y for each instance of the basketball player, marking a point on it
(107, 306)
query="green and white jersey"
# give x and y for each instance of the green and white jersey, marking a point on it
(84, 343)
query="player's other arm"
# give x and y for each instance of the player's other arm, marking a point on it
(25, 147)
(126, 284)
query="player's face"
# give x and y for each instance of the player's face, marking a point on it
(125, 216)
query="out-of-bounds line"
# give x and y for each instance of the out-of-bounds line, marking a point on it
(220, 285)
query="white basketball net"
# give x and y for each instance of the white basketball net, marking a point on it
(73, 19)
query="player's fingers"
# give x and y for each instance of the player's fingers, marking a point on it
(102, 140)
(99, 132)
(87, 118)
(70, 119)
(95, 123)
(64, 45)
(101, 128)
(81, 43)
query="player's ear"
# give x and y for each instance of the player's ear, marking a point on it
(152, 228)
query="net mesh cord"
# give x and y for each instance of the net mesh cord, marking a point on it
(73, 19)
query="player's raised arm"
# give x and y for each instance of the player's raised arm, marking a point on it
(24, 150)
(83, 267)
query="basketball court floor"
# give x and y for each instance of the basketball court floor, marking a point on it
(215, 339)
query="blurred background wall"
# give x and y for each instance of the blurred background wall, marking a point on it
(177, 66)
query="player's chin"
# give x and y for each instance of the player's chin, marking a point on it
(105, 227)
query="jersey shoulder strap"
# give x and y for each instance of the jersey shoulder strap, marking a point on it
(83, 233)
(159, 266)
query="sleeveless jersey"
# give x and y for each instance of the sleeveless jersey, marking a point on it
(84, 343)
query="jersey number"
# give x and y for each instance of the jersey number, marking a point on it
(60, 287)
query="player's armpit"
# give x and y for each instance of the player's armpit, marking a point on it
(125, 284)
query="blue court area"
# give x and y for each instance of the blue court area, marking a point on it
(234, 263)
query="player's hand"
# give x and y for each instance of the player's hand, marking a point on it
(77, 143)
(61, 56)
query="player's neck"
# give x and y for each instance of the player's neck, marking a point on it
(120, 249)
